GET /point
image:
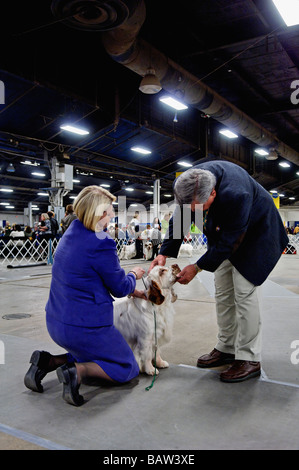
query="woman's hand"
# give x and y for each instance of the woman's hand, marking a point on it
(139, 272)
(139, 293)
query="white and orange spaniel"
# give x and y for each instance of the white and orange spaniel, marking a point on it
(135, 318)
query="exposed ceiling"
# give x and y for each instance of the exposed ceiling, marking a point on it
(241, 49)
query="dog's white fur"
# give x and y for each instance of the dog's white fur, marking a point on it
(128, 251)
(185, 250)
(134, 318)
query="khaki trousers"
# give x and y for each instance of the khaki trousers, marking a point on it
(238, 314)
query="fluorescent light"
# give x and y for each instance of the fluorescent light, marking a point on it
(297, 173)
(173, 103)
(35, 208)
(289, 10)
(105, 185)
(185, 164)
(167, 195)
(273, 191)
(228, 133)
(149, 192)
(292, 198)
(28, 162)
(129, 189)
(115, 203)
(76, 181)
(36, 173)
(72, 197)
(261, 152)
(42, 194)
(142, 150)
(284, 164)
(74, 129)
(12, 207)
(4, 203)
(6, 190)
(281, 195)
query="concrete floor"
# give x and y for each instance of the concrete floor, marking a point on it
(186, 409)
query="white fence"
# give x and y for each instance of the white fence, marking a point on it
(23, 252)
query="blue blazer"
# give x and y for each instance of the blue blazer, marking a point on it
(86, 271)
(243, 225)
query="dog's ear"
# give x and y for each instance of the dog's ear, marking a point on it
(154, 294)
(173, 296)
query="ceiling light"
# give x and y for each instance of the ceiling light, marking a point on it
(76, 181)
(173, 103)
(115, 203)
(273, 191)
(297, 173)
(12, 207)
(185, 164)
(42, 194)
(150, 84)
(289, 10)
(4, 203)
(272, 155)
(10, 168)
(74, 129)
(35, 208)
(228, 133)
(167, 195)
(261, 152)
(6, 190)
(36, 173)
(129, 189)
(72, 197)
(142, 150)
(149, 192)
(28, 162)
(105, 185)
(284, 164)
(292, 198)
(281, 195)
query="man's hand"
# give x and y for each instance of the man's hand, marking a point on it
(160, 260)
(187, 274)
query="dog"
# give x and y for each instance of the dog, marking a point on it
(128, 251)
(148, 250)
(185, 251)
(134, 318)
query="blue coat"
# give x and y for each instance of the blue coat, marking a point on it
(86, 271)
(243, 225)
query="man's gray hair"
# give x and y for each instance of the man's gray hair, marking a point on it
(194, 183)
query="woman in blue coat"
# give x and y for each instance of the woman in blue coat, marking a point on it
(79, 313)
(246, 238)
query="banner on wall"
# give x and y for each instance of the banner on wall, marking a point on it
(275, 197)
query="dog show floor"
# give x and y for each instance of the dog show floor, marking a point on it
(185, 409)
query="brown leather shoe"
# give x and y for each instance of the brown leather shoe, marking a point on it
(214, 359)
(241, 370)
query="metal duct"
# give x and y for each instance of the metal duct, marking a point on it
(125, 47)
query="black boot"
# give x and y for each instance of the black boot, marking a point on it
(37, 371)
(67, 374)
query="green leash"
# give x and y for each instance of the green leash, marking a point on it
(156, 346)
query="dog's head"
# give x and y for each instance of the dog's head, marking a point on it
(148, 245)
(160, 279)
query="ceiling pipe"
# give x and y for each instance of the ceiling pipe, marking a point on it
(125, 47)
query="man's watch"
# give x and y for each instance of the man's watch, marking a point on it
(198, 269)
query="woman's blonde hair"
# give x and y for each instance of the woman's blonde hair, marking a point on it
(90, 205)
(45, 216)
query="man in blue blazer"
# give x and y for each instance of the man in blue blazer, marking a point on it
(246, 238)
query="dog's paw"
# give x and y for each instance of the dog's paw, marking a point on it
(163, 364)
(152, 371)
